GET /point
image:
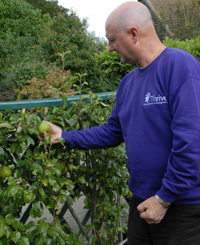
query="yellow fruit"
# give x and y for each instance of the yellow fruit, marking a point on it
(5, 172)
(44, 127)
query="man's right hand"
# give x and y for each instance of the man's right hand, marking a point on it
(55, 133)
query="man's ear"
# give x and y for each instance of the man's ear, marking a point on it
(135, 33)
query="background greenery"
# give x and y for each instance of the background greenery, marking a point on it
(38, 35)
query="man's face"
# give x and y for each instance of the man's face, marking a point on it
(121, 42)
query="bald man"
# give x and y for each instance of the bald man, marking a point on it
(157, 115)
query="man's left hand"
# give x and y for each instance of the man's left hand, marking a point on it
(151, 210)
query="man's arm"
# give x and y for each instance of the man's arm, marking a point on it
(102, 136)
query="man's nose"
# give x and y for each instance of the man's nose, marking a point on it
(111, 47)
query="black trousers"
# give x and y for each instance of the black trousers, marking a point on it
(180, 226)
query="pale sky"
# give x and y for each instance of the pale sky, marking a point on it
(95, 11)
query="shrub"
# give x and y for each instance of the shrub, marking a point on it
(56, 81)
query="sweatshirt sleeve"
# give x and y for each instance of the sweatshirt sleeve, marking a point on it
(102, 136)
(183, 169)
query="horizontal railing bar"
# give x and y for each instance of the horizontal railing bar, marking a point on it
(48, 102)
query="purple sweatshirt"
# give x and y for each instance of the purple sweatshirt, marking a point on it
(157, 115)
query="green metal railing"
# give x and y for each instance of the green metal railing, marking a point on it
(48, 102)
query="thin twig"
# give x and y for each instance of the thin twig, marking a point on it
(77, 220)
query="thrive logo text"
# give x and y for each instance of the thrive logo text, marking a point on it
(152, 99)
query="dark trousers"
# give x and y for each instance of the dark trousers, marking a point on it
(180, 226)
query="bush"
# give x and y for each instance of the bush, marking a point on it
(192, 46)
(112, 69)
(56, 82)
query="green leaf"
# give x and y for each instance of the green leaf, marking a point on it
(87, 203)
(17, 225)
(8, 232)
(53, 182)
(61, 140)
(41, 240)
(16, 236)
(91, 185)
(30, 141)
(2, 230)
(2, 220)
(92, 240)
(36, 210)
(45, 182)
(29, 196)
(37, 167)
(43, 194)
(9, 219)
(12, 191)
(62, 181)
(81, 179)
(71, 122)
(30, 225)
(86, 125)
(2, 154)
(33, 119)
(61, 241)
(5, 125)
(24, 241)
(47, 140)
(43, 227)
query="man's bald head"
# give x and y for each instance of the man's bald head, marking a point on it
(130, 14)
(131, 33)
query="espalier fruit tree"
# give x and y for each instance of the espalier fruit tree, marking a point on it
(46, 175)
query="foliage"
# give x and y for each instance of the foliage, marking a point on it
(40, 178)
(192, 46)
(113, 69)
(30, 43)
(19, 63)
(21, 26)
(55, 82)
(182, 18)
(51, 7)
(67, 44)
(19, 18)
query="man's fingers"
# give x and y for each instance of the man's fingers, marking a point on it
(150, 220)
(40, 138)
(141, 207)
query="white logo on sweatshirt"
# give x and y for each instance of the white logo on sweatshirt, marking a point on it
(152, 99)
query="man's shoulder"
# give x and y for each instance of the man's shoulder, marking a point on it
(178, 54)
(178, 59)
